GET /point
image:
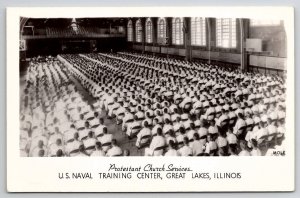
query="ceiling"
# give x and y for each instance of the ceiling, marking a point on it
(65, 22)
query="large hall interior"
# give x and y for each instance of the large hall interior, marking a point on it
(152, 86)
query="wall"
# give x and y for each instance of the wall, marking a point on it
(274, 47)
(196, 52)
(218, 56)
(274, 41)
(274, 38)
(277, 63)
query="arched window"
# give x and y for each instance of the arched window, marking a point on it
(149, 31)
(177, 31)
(129, 31)
(161, 32)
(198, 31)
(226, 33)
(138, 31)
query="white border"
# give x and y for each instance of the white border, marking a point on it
(40, 175)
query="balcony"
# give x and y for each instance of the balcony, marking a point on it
(83, 32)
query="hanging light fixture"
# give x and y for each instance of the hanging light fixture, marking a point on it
(74, 25)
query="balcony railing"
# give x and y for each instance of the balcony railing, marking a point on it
(83, 32)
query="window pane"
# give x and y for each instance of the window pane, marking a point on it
(226, 33)
(138, 32)
(149, 31)
(198, 31)
(161, 33)
(129, 31)
(177, 34)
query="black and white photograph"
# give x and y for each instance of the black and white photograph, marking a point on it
(174, 93)
(172, 86)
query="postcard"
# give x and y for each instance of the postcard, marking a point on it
(150, 99)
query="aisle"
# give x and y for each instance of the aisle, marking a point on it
(112, 127)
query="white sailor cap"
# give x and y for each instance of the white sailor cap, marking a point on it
(90, 142)
(222, 142)
(47, 103)
(266, 100)
(250, 103)
(257, 120)
(197, 123)
(80, 124)
(221, 101)
(226, 107)
(184, 116)
(94, 122)
(120, 99)
(212, 130)
(264, 118)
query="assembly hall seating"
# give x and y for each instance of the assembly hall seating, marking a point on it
(169, 106)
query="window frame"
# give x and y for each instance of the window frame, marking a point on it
(161, 29)
(177, 31)
(130, 31)
(198, 31)
(226, 30)
(149, 31)
(138, 31)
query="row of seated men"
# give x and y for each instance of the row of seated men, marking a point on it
(252, 106)
(54, 118)
(50, 131)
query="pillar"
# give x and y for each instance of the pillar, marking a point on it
(244, 34)
(187, 37)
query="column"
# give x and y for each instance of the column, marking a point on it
(154, 33)
(187, 37)
(168, 33)
(209, 37)
(244, 34)
(143, 23)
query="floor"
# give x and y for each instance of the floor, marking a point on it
(112, 127)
